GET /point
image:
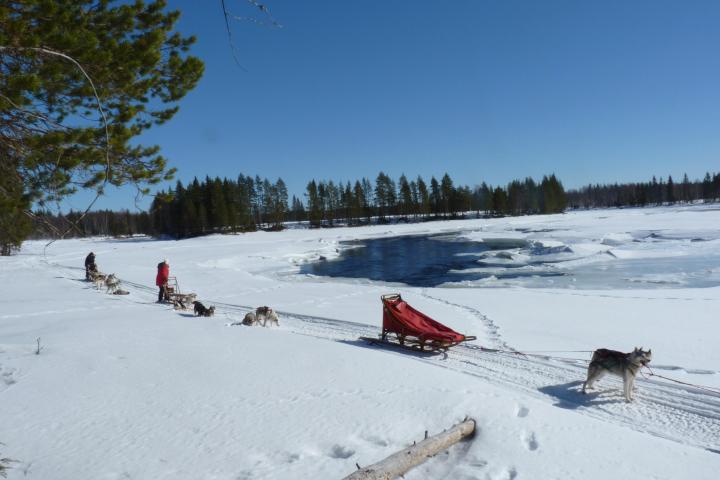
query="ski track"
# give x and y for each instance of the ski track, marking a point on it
(675, 412)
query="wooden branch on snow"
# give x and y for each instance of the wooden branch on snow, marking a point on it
(399, 463)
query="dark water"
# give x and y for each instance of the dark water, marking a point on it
(432, 260)
(422, 261)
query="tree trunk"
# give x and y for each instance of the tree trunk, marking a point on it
(399, 463)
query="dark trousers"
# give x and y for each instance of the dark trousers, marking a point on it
(89, 271)
(162, 294)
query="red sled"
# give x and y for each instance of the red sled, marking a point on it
(409, 328)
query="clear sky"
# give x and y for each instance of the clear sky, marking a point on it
(486, 90)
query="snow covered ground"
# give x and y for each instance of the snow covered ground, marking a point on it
(125, 388)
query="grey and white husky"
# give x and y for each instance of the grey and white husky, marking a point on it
(112, 283)
(625, 365)
(261, 315)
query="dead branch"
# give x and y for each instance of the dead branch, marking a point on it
(397, 464)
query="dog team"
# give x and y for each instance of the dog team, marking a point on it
(261, 316)
(604, 361)
(101, 280)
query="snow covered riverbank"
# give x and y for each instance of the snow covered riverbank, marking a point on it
(125, 388)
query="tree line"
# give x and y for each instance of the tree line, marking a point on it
(411, 200)
(219, 206)
(654, 192)
(248, 203)
(216, 205)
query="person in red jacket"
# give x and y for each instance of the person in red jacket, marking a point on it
(163, 273)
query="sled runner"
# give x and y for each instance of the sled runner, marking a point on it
(409, 328)
(179, 300)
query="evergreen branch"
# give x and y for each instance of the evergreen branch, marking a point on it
(108, 170)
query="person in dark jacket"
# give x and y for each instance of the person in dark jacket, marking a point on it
(90, 266)
(161, 280)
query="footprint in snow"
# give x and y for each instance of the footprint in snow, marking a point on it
(506, 474)
(7, 375)
(530, 441)
(521, 411)
(338, 451)
(376, 441)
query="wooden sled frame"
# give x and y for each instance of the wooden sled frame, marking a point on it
(179, 300)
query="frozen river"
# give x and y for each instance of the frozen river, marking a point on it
(548, 258)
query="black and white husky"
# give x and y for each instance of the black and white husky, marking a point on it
(625, 365)
(203, 311)
(265, 315)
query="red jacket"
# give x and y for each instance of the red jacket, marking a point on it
(163, 274)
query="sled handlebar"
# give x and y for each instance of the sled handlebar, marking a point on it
(390, 296)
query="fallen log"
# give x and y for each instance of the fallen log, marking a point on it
(399, 463)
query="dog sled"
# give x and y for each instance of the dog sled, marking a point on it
(406, 327)
(178, 299)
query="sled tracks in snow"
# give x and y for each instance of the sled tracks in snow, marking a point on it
(671, 411)
(675, 412)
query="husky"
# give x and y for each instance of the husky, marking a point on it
(203, 311)
(99, 280)
(265, 315)
(249, 319)
(112, 283)
(625, 365)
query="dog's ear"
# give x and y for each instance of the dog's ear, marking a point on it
(650, 351)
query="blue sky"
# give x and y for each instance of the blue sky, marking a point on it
(484, 90)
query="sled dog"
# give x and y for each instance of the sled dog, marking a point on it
(249, 319)
(625, 365)
(203, 311)
(265, 315)
(112, 283)
(99, 280)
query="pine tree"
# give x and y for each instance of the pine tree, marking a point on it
(405, 196)
(515, 197)
(314, 204)
(554, 199)
(51, 128)
(685, 189)
(414, 199)
(258, 201)
(385, 197)
(434, 196)
(230, 195)
(331, 202)
(347, 203)
(707, 190)
(15, 224)
(424, 196)
(217, 207)
(670, 195)
(245, 195)
(447, 191)
(499, 201)
(359, 202)
(280, 203)
(298, 210)
(369, 201)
